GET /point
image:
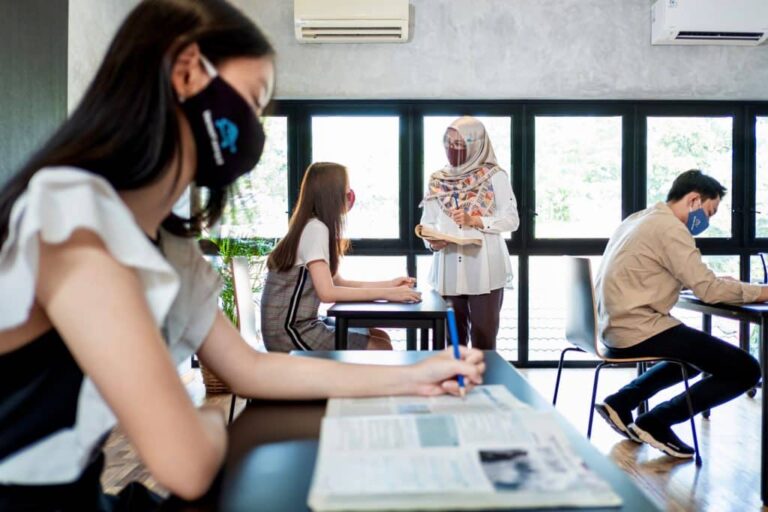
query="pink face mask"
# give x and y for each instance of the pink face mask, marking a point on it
(456, 156)
(350, 199)
(455, 149)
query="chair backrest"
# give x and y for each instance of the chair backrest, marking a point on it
(581, 309)
(246, 311)
(763, 258)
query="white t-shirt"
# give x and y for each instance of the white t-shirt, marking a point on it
(314, 243)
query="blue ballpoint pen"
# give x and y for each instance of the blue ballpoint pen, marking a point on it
(454, 332)
(456, 202)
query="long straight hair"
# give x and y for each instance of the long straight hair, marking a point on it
(322, 196)
(125, 129)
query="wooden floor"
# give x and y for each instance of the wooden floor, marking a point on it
(729, 442)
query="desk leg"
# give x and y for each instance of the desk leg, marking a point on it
(341, 333)
(410, 342)
(764, 441)
(424, 339)
(745, 347)
(706, 326)
(438, 332)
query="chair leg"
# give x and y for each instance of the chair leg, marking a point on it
(707, 412)
(592, 402)
(557, 379)
(232, 408)
(560, 370)
(690, 413)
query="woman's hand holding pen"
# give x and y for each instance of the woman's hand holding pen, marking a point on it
(437, 375)
(402, 293)
(405, 280)
(462, 218)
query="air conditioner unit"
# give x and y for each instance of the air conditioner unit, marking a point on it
(351, 21)
(721, 22)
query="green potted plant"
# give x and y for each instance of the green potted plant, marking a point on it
(256, 250)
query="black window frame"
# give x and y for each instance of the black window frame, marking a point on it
(743, 242)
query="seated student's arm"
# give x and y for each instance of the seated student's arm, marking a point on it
(398, 281)
(98, 307)
(682, 259)
(328, 291)
(284, 377)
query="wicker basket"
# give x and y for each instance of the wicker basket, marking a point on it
(213, 384)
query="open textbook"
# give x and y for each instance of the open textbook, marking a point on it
(444, 453)
(432, 235)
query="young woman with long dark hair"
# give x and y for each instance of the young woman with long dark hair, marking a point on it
(104, 290)
(303, 271)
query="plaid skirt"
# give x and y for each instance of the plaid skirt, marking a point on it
(289, 315)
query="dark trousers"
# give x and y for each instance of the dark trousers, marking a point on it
(478, 315)
(731, 373)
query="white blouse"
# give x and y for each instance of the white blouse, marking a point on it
(180, 287)
(472, 269)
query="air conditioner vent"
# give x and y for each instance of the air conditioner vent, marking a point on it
(720, 36)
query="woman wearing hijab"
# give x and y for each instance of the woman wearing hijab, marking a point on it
(471, 197)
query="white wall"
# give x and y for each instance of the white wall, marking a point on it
(92, 24)
(566, 49)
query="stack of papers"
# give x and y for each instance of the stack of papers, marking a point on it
(445, 453)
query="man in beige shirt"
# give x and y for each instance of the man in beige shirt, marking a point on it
(648, 260)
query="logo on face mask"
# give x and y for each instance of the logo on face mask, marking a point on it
(698, 221)
(219, 117)
(228, 133)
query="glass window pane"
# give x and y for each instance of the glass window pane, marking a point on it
(578, 176)
(374, 268)
(761, 161)
(506, 341)
(677, 144)
(547, 308)
(369, 147)
(723, 328)
(258, 205)
(499, 129)
(723, 265)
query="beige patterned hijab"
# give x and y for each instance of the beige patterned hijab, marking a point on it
(468, 184)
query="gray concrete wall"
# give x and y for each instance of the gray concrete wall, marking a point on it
(33, 83)
(92, 24)
(565, 49)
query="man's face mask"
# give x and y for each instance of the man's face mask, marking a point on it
(227, 133)
(698, 220)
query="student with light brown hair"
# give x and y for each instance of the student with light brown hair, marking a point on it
(303, 271)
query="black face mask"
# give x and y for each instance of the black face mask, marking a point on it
(227, 133)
